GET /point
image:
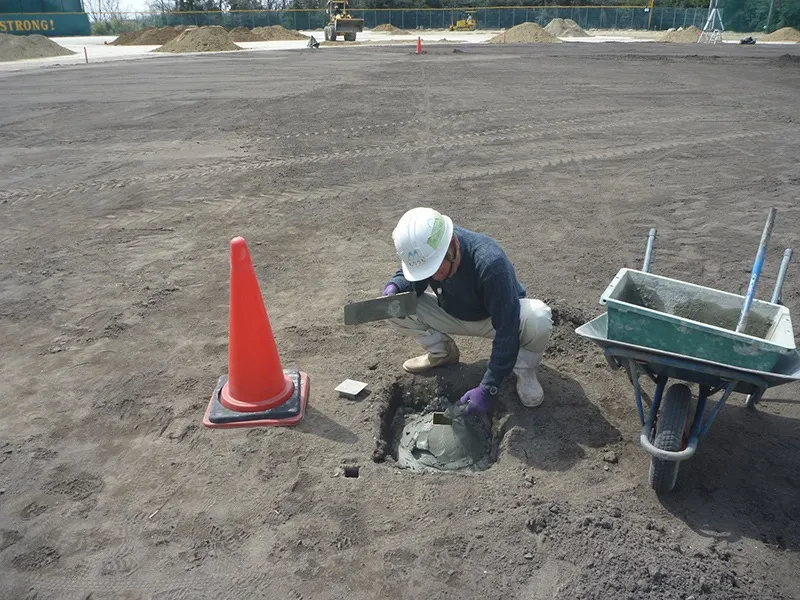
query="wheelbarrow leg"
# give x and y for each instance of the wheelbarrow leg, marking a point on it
(755, 398)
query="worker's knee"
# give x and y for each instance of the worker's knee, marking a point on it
(536, 323)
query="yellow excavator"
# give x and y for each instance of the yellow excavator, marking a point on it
(341, 23)
(468, 23)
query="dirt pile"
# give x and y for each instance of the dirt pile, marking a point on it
(690, 35)
(243, 34)
(787, 60)
(526, 33)
(785, 34)
(149, 36)
(20, 47)
(389, 28)
(565, 28)
(202, 39)
(278, 33)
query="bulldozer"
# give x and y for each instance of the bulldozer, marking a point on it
(468, 23)
(341, 23)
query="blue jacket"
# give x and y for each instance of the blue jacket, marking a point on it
(485, 286)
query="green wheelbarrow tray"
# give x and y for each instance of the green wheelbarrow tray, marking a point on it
(658, 313)
(696, 370)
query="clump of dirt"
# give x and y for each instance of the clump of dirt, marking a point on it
(785, 60)
(389, 28)
(565, 28)
(21, 47)
(690, 35)
(149, 36)
(202, 39)
(243, 34)
(785, 34)
(526, 33)
(278, 33)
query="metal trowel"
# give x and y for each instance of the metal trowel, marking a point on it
(377, 309)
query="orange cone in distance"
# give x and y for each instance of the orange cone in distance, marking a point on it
(257, 391)
(419, 45)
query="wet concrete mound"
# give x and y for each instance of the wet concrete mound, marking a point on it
(425, 431)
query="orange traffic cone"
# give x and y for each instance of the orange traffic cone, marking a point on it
(419, 45)
(256, 391)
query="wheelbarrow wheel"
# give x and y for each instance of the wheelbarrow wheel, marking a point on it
(669, 436)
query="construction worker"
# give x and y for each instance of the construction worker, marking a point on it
(474, 292)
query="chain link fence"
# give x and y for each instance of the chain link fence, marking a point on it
(588, 17)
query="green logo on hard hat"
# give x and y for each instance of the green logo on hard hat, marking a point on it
(437, 232)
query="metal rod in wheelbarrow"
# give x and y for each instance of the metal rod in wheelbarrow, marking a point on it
(778, 291)
(756, 273)
(648, 254)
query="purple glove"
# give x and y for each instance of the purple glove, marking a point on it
(390, 289)
(477, 400)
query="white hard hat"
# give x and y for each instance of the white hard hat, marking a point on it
(421, 239)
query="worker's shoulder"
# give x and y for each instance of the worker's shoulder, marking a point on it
(486, 252)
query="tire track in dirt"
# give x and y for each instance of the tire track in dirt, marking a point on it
(220, 207)
(529, 131)
(481, 172)
(193, 171)
(223, 206)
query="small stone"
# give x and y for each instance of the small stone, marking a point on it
(537, 524)
(2, 491)
(554, 509)
(606, 468)
(705, 587)
(610, 457)
(691, 598)
(676, 548)
(643, 586)
(479, 535)
(528, 556)
(529, 479)
(616, 512)
(655, 573)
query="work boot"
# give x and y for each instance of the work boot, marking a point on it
(442, 350)
(529, 389)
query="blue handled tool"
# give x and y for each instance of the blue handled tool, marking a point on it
(756, 273)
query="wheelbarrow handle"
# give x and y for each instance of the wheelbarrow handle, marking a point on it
(648, 253)
(756, 273)
(777, 292)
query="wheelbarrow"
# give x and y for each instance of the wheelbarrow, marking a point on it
(666, 329)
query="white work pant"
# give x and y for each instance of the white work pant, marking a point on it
(432, 325)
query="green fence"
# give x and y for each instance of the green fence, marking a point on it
(588, 17)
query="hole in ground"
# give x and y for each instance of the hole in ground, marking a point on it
(415, 434)
(351, 471)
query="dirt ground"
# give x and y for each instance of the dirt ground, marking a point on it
(121, 186)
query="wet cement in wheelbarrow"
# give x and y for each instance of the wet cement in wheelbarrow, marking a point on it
(698, 310)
